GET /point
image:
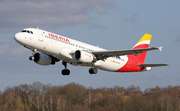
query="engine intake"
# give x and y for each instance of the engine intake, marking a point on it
(83, 56)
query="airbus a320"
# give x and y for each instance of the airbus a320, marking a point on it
(48, 48)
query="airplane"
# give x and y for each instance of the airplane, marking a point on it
(48, 48)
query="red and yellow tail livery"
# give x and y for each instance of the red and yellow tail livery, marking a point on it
(142, 43)
(135, 61)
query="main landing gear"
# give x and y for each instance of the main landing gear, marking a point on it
(65, 71)
(93, 70)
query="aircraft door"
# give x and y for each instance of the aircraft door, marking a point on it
(129, 63)
(41, 36)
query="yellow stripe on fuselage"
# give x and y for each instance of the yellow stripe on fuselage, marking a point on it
(145, 37)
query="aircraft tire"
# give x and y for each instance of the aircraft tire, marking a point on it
(65, 72)
(95, 71)
(92, 70)
(31, 58)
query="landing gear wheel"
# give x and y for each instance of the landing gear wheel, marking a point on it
(93, 71)
(31, 58)
(65, 72)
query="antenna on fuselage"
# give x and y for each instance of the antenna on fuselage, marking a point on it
(37, 27)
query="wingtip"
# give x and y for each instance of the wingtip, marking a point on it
(167, 65)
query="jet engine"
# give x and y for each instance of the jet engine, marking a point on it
(43, 59)
(83, 56)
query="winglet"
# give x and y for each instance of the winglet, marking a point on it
(160, 48)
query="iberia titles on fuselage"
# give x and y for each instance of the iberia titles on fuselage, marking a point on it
(58, 37)
(48, 48)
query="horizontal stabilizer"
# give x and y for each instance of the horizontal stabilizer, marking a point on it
(152, 65)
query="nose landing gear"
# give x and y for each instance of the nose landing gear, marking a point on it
(33, 52)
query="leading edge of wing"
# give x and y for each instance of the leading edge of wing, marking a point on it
(124, 52)
(152, 65)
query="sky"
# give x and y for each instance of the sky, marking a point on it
(109, 24)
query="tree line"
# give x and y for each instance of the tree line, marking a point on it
(76, 97)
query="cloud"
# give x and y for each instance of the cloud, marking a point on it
(14, 58)
(50, 14)
(159, 76)
(177, 38)
(131, 17)
(3, 48)
(97, 26)
(11, 51)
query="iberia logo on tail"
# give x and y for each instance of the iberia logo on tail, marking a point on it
(143, 43)
(133, 59)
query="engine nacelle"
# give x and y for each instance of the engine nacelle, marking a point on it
(42, 59)
(83, 56)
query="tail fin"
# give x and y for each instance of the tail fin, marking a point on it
(143, 43)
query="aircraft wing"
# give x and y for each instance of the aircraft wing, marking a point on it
(152, 65)
(101, 55)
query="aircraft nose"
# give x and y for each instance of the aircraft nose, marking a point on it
(17, 37)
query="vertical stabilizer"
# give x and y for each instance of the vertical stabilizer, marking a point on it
(142, 43)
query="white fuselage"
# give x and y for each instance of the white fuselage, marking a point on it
(63, 48)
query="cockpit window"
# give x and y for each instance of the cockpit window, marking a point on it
(27, 31)
(23, 31)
